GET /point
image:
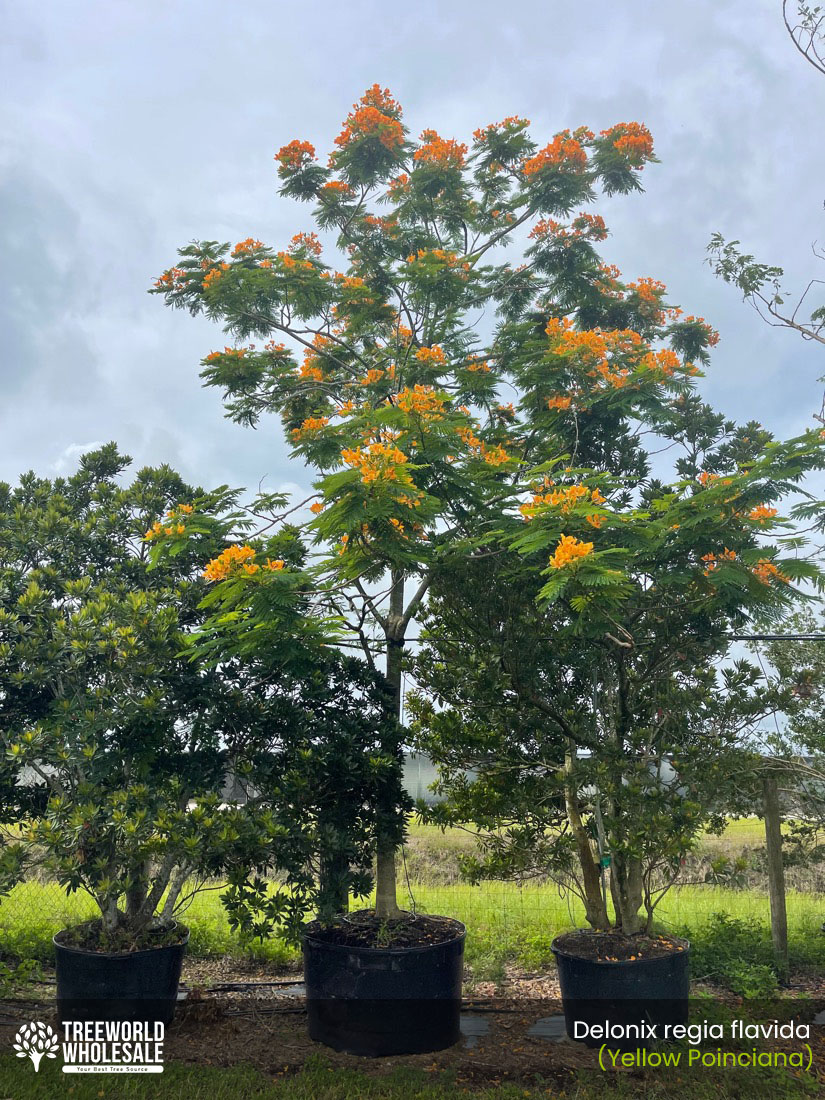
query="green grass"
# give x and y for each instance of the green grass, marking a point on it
(34, 911)
(506, 923)
(320, 1081)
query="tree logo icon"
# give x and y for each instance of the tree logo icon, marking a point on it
(35, 1040)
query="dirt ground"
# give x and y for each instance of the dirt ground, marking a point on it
(512, 1032)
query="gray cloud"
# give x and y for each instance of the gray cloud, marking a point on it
(141, 127)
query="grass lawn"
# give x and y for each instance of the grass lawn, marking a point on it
(319, 1081)
(506, 924)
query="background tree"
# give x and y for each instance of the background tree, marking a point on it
(132, 733)
(761, 283)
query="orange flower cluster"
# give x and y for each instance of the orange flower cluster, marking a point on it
(309, 370)
(365, 122)
(632, 140)
(290, 262)
(431, 356)
(211, 277)
(596, 348)
(157, 529)
(423, 401)
(513, 122)
(665, 360)
(232, 560)
(569, 550)
(336, 187)
(766, 571)
(706, 479)
(649, 290)
(711, 335)
(311, 424)
(589, 227)
(170, 277)
(231, 353)
(478, 366)
(295, 155)
(449, 258)
(398, 186)
(558, 402)
(372, 376)
(712, 560)
(377, 461)
(494, 456)
(238, 560)
(607, 282)
(761, 514)
(242, 248)
(564, 151)
(316, 507)
(467, 436)
(307, 241)
(439, 152)
(566, 498)
(379, 97)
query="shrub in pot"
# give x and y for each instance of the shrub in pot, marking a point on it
(383, 379)
(130, 739)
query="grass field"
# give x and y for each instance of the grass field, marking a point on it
(507, 924)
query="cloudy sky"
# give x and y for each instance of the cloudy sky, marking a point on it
(131, 128)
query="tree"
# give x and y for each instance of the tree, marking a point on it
(400, 402)
(579, 714)
(132, 733)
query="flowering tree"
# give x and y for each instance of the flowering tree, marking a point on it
(389, 376)
(581, 714)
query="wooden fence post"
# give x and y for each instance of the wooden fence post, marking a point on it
(776, 873)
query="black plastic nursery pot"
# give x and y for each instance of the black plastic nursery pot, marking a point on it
(377, 1001)
(135, 985)
(623, 995)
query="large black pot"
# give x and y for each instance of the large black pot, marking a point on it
(376, 1001)
(134, 985)
(631, 992)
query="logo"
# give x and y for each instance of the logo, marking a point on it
(95, 1046)
(36, 1041)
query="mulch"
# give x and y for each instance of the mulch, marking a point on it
(226, 1021)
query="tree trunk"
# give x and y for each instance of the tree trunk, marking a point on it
(776, 874)
(627, 888)
(333, 882)
(594, 907)
(386, 900)
(136, 894)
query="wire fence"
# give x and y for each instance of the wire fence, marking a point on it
(507, 922)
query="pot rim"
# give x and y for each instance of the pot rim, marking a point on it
(619, 962)
(309, 938)
(143, 952)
